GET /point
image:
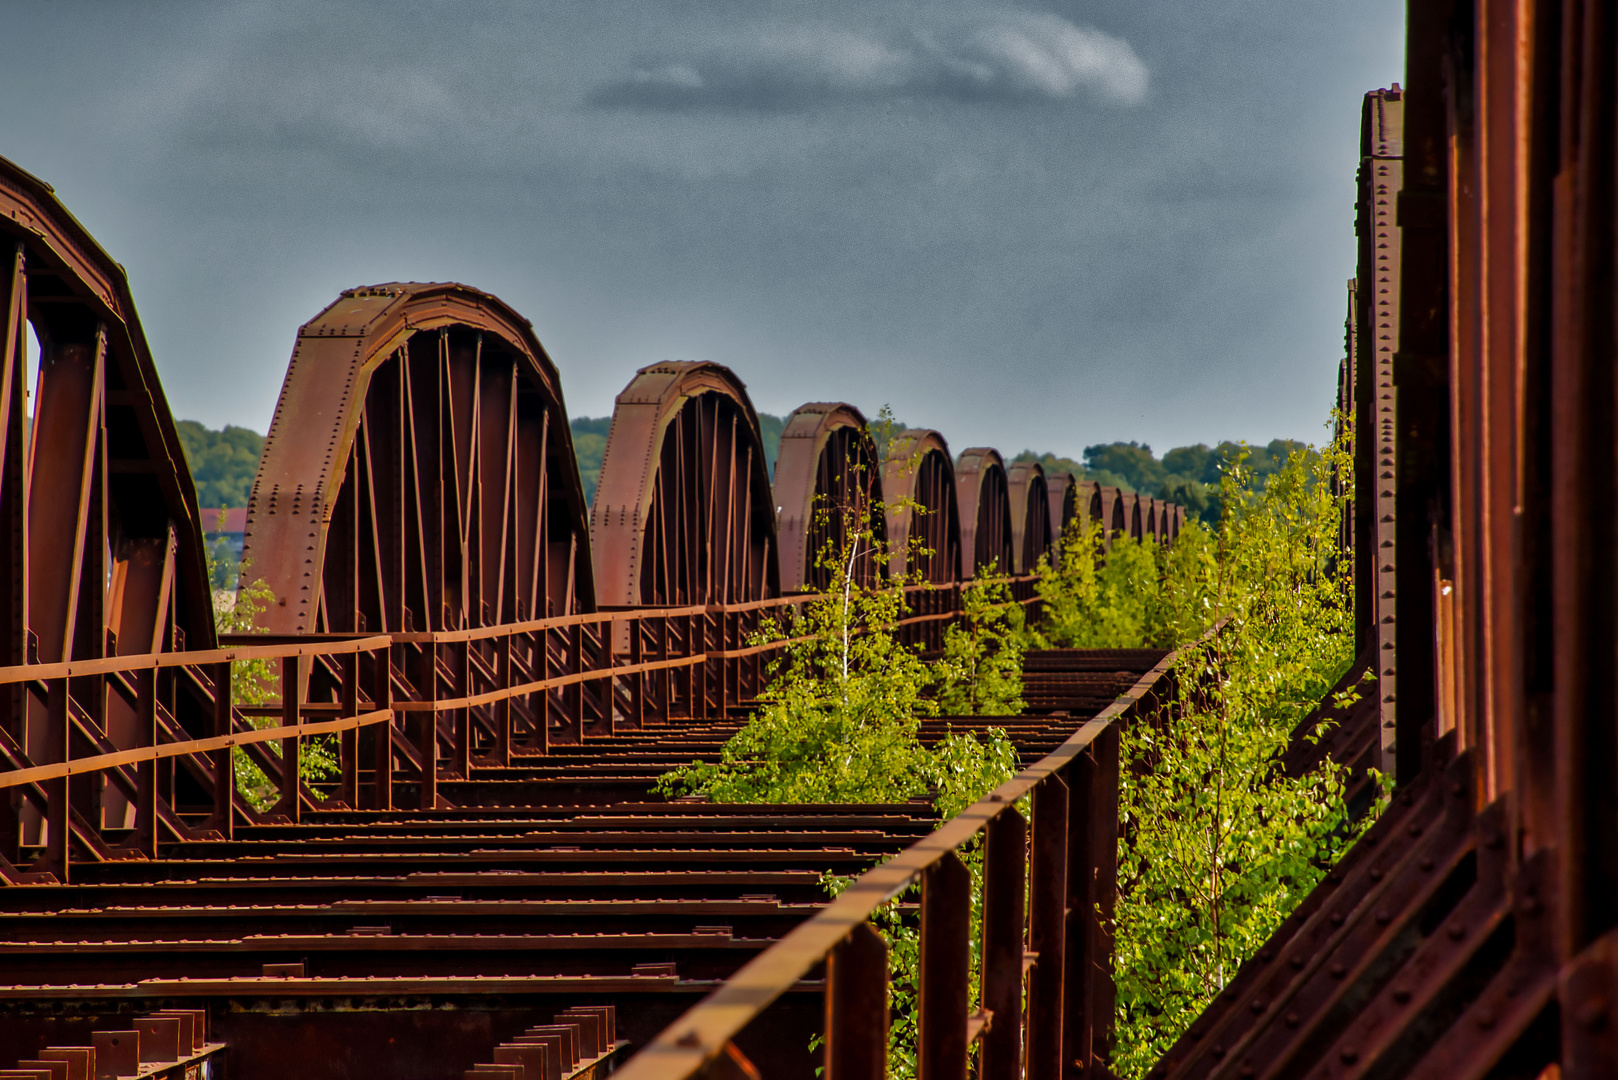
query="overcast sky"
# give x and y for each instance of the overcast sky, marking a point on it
(1041, 224)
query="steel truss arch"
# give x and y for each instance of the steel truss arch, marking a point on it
(100, 537)
(1064, 493)
(924, 522)
(1088, 503)
(1031, 519)
(1114, 514)
(826, 479)
(419, 472)
(986, 539)
(683, 510)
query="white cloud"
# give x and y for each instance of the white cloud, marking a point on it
(1005, 56)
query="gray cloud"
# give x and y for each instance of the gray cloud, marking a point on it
(1006, 57)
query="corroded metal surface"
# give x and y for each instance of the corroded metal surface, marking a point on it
(419, 472)
(828, 485)
(99, 534)
(1033, 530)
(683, 511)
(985, 502)
(924, 520)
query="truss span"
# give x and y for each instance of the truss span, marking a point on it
(419, 471)
(924, 524)
(683, 511)
(986, 530)
(99, 540)
(1031, 519)
(827, 486)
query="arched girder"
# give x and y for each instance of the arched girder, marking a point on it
(1063, 492)
(683, 510)
(1030, 499)
(1132, 514)
(1089, 503)
(1149, 518)
(924, 523)
(1114, 516)
(827, 486)
(980, 479)
(419, 471)
(101, 549)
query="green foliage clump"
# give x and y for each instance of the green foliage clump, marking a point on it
(223, 463)
(1217, 843)
(255, 682)
(980, 673)
(840, 719)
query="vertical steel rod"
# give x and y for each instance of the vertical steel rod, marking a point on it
(1047, 916)
(382, 698)
(857, 1007)
(946, 921)
(1004, 896)
(224, 767)
(291, 803)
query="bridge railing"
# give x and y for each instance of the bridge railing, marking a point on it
(492, 695)
(1046, 902)
(120, 752)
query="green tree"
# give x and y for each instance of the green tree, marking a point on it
(1218, 844)
(255, 682)
(223, 463)
(1131, 462)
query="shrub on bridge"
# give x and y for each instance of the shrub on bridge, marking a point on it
(1217, 844)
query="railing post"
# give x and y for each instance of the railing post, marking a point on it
(1100, 990)
(503, 709)
(462, 659)
(665, 675)
(56, 807)
(946, 921)
(573, 694)
(857, 1007)
(224, 766)
(1004, 894)
(382, 750)
(291, 803)
(1047, 916)
(348, 743)
(546, 696)
(637, 683)
(427, 726)
(1078, 1018)
(145, 838)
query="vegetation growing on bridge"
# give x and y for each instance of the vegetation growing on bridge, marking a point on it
(1217, 843)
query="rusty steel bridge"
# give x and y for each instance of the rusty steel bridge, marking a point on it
(487, 888)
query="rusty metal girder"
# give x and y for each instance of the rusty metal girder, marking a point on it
(99, 529)
(1033, 530)
(1113, 515)
(827, 478)
(419, 471)
(986, 541)
(924, 520)
(1066, 502)
(683, 511)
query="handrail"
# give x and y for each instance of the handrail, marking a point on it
(111, 665)
(701, 1034)
(80, 766)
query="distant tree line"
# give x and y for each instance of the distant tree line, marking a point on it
(1188, 475)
